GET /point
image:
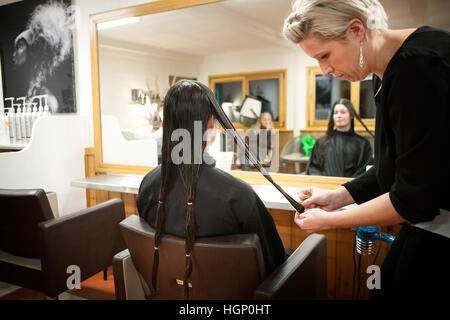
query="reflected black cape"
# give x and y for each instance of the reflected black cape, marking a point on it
(347, 155)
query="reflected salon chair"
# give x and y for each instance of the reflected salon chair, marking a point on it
(292, 153)
(225, 267)
(36, 248)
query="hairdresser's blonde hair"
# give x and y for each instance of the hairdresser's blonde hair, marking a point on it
(328, 19)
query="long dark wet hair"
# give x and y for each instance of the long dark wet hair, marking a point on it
(330, 130)
(184, 103)
(188, 101)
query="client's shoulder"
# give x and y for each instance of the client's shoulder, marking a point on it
(225, 180)
(151, 178)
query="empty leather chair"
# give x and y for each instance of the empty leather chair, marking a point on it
(225, 267)
(36, 249)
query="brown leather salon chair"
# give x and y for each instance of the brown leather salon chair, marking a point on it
(225, 267)
(36, 249)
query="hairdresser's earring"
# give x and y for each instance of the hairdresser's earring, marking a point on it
(361, 58)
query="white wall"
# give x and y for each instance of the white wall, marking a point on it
(274, 58)
(53, 157)
(82, 54)
(123, 69)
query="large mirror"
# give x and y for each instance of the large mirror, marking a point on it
(139, 55)
(139, 52)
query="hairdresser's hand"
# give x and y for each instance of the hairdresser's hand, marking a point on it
(324, 199)
(314, 220)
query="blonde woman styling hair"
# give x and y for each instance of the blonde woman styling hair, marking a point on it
(350, 39)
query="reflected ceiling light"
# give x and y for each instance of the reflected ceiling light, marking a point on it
(116, 23)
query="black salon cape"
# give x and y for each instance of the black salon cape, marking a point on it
(347, 155)
(412, 128)
(223, 205)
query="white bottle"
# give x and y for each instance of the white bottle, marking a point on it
(23, 126)
(46, 107)
(4, 129)
(11, 99)
(12, 125)
(46, 111)
(34, 116)
(40, 111)
(28, 122)
(19, 125)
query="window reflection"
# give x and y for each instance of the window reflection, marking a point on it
(266, 90)
(229, 92)
(366, 99)
(328, 90)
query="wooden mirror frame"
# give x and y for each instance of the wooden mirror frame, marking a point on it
(101, 168)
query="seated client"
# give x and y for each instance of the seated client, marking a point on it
(187, 196)
(340, 152)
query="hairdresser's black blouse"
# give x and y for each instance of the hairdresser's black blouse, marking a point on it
(412, 130)
(223, 205)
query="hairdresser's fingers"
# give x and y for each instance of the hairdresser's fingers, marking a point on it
(297, 219)
(304, 193)
(299, 215)
(310, 203)
(303, 197)
(302, 223)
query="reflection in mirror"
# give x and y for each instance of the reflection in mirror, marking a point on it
(140, 60)
(328, 90)
(229, 96)
(266, 90)
(366, 99)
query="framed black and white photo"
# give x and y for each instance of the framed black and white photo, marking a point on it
(36, 42)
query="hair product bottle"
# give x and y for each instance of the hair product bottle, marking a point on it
(4, 128)
(23, 125)
(12, 125)
(46, 111)
(34, 115)
(28, 122)
(19, 125)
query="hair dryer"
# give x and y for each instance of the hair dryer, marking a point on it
(366, 239)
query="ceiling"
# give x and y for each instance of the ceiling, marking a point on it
(206, 29)
(246, 24)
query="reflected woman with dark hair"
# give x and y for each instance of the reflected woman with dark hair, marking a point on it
(188, 197)
(340, 152)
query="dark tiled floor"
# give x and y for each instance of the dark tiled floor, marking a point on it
(94, 288)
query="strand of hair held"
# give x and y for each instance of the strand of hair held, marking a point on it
(227, 124)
